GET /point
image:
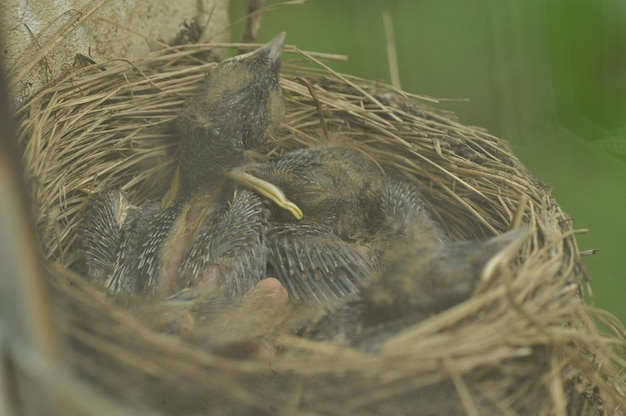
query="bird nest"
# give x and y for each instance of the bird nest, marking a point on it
(524, 343)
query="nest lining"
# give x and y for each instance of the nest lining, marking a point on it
(524, 344)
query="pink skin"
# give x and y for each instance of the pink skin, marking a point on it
(253, 318)
(176, 248)
(268, 294)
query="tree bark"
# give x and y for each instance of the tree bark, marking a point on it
(40, 40)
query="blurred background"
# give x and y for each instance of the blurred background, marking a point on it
(549, 76)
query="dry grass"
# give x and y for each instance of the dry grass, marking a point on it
(524, 344)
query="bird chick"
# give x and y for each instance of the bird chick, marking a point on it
(208, 232)
(238, 102)
(343, 190)
(199, 245)
(351, 214)
(430, 278)
(420, 282)
(333, 186)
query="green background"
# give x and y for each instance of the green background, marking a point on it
(549, 76)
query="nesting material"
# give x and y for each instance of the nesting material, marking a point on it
(525, 343)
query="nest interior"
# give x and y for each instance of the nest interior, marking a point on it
(525, 343)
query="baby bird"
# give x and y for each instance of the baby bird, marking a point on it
(207, 235)
(421, 281)
(345, 191)
(196, 245)
(239, 101)
(351, 214)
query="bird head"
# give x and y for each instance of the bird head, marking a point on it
(235, 107)
(245, 90)
(332, 186)
(429, 279)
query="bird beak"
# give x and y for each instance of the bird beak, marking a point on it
(267, 189)
(504, 247)
(272, 50)
(275, 47)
